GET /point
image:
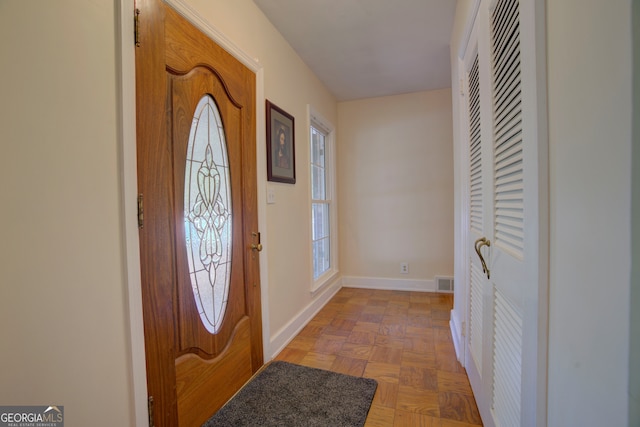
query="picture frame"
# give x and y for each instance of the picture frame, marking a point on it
(281, 153)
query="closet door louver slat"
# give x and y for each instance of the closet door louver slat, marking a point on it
(475, 150)
(507, 128)
(508, 198)
(475, 316)
(507, 362)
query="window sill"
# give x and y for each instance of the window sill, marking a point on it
(324, 280)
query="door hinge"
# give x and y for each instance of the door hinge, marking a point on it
(136, 27)
(140, 211)
(150, 407)
(464, 328)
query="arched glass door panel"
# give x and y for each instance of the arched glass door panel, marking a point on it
(207, 214)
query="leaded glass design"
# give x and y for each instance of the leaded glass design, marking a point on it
(207, 214)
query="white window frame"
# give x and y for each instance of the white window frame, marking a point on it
(317, 121)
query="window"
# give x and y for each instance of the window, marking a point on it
(323, 223)
(208, 213)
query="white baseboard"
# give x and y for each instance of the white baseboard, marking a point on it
(456, 334)
(285, 334)
(419, 285)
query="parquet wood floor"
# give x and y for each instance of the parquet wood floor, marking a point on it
(401, 339)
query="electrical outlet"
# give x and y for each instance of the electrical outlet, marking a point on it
(404, 268)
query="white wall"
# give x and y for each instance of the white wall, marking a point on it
(62, 295)
(395, 169)
(589, 76)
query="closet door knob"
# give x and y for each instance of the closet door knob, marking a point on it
(482, 241)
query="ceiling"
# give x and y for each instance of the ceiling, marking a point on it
(368, 48)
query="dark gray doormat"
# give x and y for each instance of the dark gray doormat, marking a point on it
(288, 395)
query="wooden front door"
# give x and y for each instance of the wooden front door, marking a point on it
(196, 130)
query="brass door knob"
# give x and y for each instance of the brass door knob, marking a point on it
(483, 241)
(256, 247)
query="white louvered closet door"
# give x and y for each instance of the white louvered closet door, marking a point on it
(506, 341)
(478, 153)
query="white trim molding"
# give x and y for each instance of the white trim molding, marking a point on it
(129, 193)
(316, 120)
(383, 283)
(457, 333)
(188, 12)
(289, 331)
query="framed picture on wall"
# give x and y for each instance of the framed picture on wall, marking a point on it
(281, 153)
